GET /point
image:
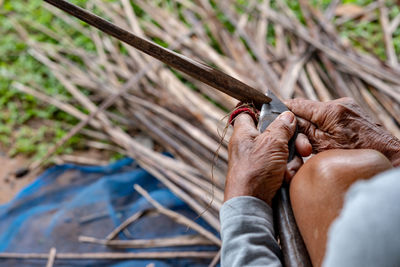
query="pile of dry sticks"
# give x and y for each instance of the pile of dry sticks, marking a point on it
(131, 93)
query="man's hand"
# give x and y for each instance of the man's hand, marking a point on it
(342, 124)
(258, 162)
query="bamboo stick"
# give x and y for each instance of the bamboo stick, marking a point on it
(177, 217)
(112, 255)
(179, 241)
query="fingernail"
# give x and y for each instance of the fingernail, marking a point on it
(287, 116)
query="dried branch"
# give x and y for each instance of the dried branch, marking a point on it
(185, 240)
(178, 217)
(112, 255)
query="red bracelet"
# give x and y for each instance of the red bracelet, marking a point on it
(244, 109)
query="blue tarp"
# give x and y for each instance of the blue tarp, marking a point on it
(68, 201)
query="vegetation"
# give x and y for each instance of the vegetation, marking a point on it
(30, 127)
(26, 125)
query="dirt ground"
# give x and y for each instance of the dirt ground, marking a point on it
(9, 185)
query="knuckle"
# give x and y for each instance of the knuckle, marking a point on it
(340, 110)
(280, 128)
(312, 134)
(345, 105)
(277, 140)
(351, 104)
(287, 129)
(308, 130)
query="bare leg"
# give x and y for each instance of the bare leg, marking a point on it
(317, 191)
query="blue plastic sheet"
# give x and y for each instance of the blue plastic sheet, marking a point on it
(68, 201)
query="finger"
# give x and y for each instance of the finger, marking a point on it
(303, 145)
(307, 109)
(307, 128)
(313, 134)
(244, 125)
(292, 167)
(283, 127)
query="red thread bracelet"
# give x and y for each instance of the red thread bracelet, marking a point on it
(245, 109)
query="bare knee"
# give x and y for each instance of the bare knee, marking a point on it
(325, 178)
(339, 168)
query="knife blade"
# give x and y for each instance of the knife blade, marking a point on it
(293, 248)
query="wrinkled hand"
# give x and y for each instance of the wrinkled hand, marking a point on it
(258, 162)
(342, 124)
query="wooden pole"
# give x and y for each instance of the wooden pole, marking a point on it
(113, 255)
(195, 69)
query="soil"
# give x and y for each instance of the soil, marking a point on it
(9, 185)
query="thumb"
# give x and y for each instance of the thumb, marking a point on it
(244, 126)
(282, 128)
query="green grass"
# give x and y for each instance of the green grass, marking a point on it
(22, 117)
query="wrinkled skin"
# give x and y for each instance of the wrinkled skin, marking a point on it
(258, 162)
(341, 124)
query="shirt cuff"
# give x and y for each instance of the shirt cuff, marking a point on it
(247, 232)
(245, 205)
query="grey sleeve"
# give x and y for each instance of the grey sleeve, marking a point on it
(247, 232)
(366, 233)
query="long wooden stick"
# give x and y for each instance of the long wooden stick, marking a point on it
(112, 255)
(195, 69)
(177, 241)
